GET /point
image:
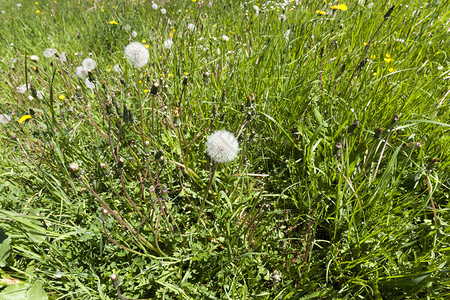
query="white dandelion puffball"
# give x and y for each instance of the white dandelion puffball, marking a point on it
(163, 11)
(191, 27)
(81, 72)
(137, 54)
(168, 44)
(4, 118)
(62, 57)
(222, 146)
(34, 57)
(154, 6)
(89, 64)
(225, 38)
(134, 34)
(49, 52)
(23, 88)
(89, 84)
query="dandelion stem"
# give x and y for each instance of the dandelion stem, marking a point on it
(213, 171)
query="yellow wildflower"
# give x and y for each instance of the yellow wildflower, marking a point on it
(388, 55)
(340, 7)
(62, 97)
(392, 70)
(24, 118)
(388, 59)
(373, 56)
(147, 46)
(38, 11)
(146, 91)
(113, 22)
(321, 12)
(170, 75)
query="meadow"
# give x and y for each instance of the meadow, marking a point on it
(225, 149)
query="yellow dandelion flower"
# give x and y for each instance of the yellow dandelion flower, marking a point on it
(392, 70)
(388, 60)
(113, 22)
(24, 118)
(62, 97)
(144, 41)
(321, 12)
(146, 91)
(147, 46)
(38, 11)
(373, 56)
(170, 75)
(342, 7)
(36, 3)
(171, 34)
(388, 55)
(186, 73)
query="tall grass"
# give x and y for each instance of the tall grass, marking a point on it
(340, 189)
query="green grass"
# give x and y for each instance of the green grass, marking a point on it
(340, 189)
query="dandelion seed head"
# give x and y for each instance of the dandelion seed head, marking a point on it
(4, 118)
(62, 57)
(225, 38)
(163, 11)
(89, 64)
(81, 72)
(22, 88)
(134, 34)
(34, 57)
(168, 44)
(49, 52)
(191, 27)
(154, 5)
(89, 84)
(137, 54)
(222, 146)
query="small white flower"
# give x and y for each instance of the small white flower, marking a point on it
(154, 6)
(81, 72)
(4, 118)
(168, 44)
(19, 5)
(440, 68)
(117, 69)
(3, 12)
(34, 57)
(89, 84)
(137, 54)
(49, 52)
(222, 146)
(23, 88)
(163, 11)
(31, 98)
(225, 38)
(191, 27)
(89, 64)
(370, 5)
(134, 34)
